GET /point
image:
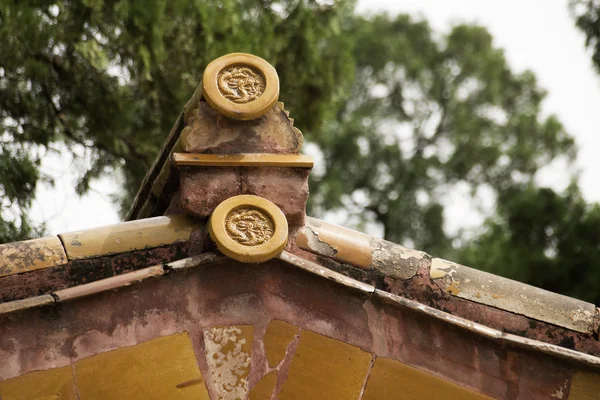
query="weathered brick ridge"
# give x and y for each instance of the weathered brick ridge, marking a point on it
(337, 315)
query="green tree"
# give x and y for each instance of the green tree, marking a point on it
(547, 239)
(110, 76)
(425, 114)
(587, 18)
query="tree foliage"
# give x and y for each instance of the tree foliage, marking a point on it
(425, 114)
(587, 19)
(400, 114)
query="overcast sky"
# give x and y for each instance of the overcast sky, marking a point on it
(535, 34)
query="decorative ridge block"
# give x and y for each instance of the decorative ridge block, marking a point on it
(234, 110)
(208, 131)
(241, 141)
(248, 229)
(240, 86)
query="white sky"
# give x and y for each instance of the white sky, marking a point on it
(535, 34)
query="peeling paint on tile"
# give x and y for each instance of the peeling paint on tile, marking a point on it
(360, 250)
(440, 268)
(394, 260)
(348, 246)
(309, 239)
(228, 355)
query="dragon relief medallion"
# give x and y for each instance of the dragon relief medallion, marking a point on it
(241, 83)
(249, 226)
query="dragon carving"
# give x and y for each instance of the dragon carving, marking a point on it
(249, 226)
(241, 84)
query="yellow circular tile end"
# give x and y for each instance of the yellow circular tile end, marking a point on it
(240, 86)
(249, 229)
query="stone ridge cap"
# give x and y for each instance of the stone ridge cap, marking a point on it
(393, 262)
(127, 279)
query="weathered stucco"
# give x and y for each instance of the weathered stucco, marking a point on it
(208, 130)
(491, 300)
(331, 317)
(77, 272)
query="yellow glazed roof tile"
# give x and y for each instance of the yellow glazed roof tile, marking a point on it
(128, 236)
(30, 255)
(263, 390)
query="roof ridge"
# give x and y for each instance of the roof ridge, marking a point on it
(134, 277)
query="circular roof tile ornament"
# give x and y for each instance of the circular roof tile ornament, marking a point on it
(249, 229)
(240, 86)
